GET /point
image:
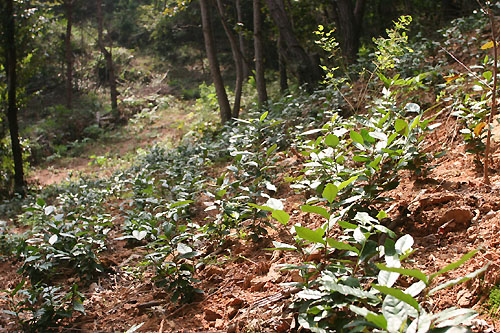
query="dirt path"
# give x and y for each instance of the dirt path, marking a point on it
(102, 158)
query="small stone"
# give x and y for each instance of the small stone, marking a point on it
(258, 286)
(231, 312)
(236, 302)
(456, 219)
(211, 315)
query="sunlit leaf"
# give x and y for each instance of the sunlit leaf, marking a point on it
(53, 239)
(459, 280)
(332, 140)
(347, 182)
(139, 235)
(330, 192)
(356, 137)
(408, 272)
(315, 236)
(488, 45)
(316, 210)
(281, 216)
(454, 265)
(341, 245)
(399, 295)
(264, 116)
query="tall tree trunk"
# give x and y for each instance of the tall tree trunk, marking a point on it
(225, 109)
(238, 60)
(241, 39)
(260, 79)
(297, 58)
(68, 4)
(349, 19)
(108, 57)
(282, 66)
(12, 99)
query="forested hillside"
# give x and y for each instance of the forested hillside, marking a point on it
(249, 166)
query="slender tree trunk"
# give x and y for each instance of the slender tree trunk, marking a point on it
(238, 60)
(297, 58)
(68, 4)
(241, 39)
(282, 66)
(12, 99)
(225, 109)
(107, 56)
(260, 79)
(349, 19)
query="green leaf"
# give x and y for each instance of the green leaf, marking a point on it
(399, 295)
(315, 236)
(365, 218)
(282, 247)
(412, 107)
(375, 163)
(271, 149)
(459, 280)
(53, 239)
(454, 265)
(40, 202)
(381, 215)
(359, 236)
(396, 313)
(316, 210)
(220, 193)
(378, 320)
(391, 138)
(356, 137)
(386, 278)
(421, 324)
(274, 204)
(347, 225)
(18, 287)
(332, 140)
(78, 306)
(341, 245)
(453, 317)
(407, 272)
(347, 290)
(330, 192)
(139, 235)
(269, 209)
(347, 182)
(414, 123)
(403, 244)
(49, 210)
(181, 203)
(281, 216)
(310, 294)
(401, 126)
(385, 230)
(264, 116)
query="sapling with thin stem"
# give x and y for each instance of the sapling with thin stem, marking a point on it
(493, 95)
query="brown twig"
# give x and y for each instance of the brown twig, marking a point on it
(161, 326)
(494, 99)
(466, 67)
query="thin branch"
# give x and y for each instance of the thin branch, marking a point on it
(494, 98)
(467, 68)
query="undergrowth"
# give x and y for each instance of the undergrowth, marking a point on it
(351, 162)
